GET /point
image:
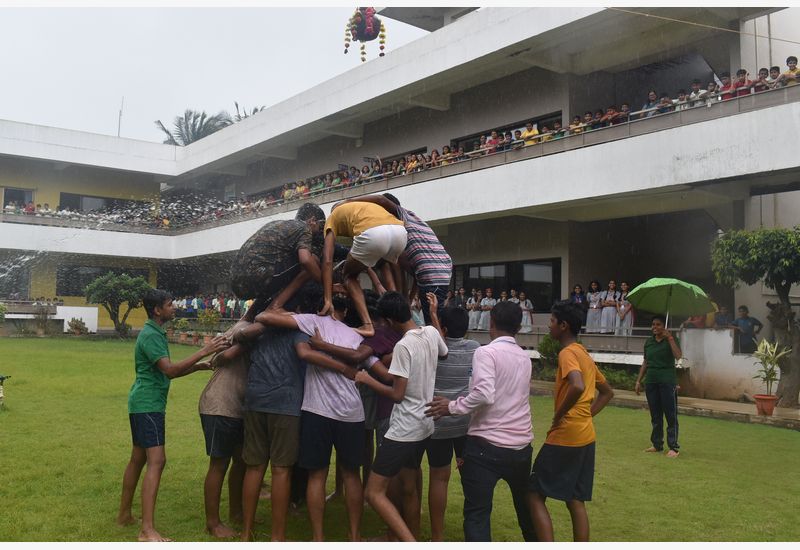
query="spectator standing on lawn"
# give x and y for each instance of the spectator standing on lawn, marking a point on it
(147, 403)
(661, 351)
(450, 432)
(564, 467)
(499, 436)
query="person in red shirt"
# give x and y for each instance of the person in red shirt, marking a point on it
(742, 84)
(762, 83)
(727, 90)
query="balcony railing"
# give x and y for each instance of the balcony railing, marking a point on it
(636, 123)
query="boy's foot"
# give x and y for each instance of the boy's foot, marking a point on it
(672, 453)
(652, 450)
(152, 536)
(366, 330)
(221, 531)
(126, 519)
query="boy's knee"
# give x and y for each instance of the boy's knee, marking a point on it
(157, 462)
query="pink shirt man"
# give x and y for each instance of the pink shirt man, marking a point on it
(498, 395)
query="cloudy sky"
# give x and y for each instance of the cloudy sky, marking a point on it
(70, 67)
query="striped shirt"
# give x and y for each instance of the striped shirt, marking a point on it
(430, 262)
(452, 382)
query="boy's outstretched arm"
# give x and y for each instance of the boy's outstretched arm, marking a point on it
(574, 391)
(396, 392)
(305, 353)
(348, 355)
(189, 365)
(605, 394)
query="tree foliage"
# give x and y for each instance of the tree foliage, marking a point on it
(771, 255)
(194, 125)
(240, 116)
(112, 291)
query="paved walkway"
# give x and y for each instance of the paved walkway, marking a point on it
(726, 410)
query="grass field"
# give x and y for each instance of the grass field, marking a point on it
(65, 440)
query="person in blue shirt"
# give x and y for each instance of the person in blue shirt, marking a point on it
(747, 328)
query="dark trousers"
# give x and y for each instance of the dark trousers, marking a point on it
(662, 399)
(484, 465)
(441, 296)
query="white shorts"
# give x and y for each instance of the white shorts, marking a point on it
(382, 241)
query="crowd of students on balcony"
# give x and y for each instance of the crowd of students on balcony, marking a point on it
(201, 210)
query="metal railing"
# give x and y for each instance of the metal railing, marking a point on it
(517, 150)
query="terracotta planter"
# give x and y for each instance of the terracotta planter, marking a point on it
(765, 404)
(182, 338)
(195, 338)
(206, 339)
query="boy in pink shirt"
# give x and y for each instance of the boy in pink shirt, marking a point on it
(500, 433)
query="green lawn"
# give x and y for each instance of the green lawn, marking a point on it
(65, 440)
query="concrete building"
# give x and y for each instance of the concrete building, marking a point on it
(626, 202)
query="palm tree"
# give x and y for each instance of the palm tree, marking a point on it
(194, 125)
(244, 114)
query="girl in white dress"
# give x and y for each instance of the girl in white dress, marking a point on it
(514, 297)
(527, 313)
(486, 309)
(594, 314)
(608, 300)
(474, 309)
(624, 311)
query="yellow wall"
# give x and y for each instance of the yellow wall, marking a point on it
(43, 283)
(48, 182)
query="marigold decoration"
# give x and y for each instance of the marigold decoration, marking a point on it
(364, 27)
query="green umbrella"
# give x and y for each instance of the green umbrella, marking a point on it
(670, 296)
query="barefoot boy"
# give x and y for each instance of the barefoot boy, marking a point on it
(564, 467)
(147, 404)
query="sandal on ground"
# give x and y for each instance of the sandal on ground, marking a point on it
(652, 450)
(672, 453)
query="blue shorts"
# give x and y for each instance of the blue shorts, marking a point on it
(147, 429)
(564, 473)
(224, 435)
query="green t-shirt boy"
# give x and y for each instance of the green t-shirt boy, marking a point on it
(149, 390)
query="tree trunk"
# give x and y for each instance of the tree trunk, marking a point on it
(787, 334)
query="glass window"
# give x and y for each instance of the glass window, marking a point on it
(537, 273)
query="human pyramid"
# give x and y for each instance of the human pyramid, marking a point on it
(316, 365)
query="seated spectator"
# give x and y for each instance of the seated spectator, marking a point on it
(420, 162)
(665, 105)
(301, 190)
(10, 208)
(728, 89)
(762, 83)
(695, 321)
(792, 76)
(649, 107)
(401, 168)
(411, 164)
(530, 133)
(742, 84)
(436, 158)
(428, 161)
(558, 131)
(682, 102)
(461, 154)
(30, 209)
(698, 95)
(508, 140)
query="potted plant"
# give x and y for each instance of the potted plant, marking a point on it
(77, 326)
(768, 355)
(208, 319)
(170, 330)
(182, 326)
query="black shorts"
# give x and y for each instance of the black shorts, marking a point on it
(440, 451)
(265, 283)
(564, 473)
(319, 434)
(147, 429)
(224, 435)
(394, 455)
